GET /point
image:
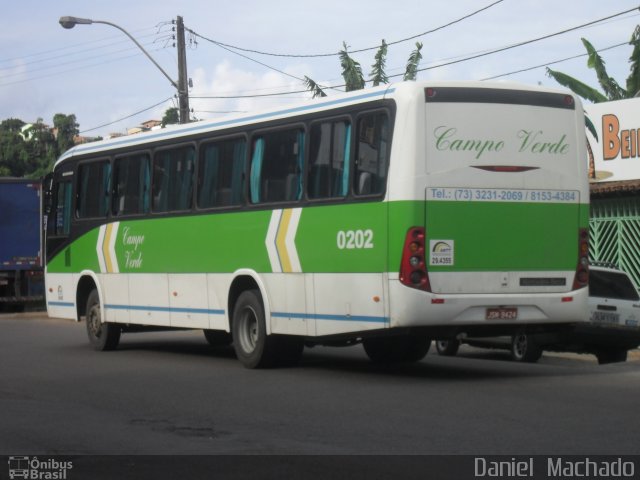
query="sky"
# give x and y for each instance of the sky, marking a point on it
(98, 74)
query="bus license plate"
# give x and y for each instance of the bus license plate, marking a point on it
(502, 313)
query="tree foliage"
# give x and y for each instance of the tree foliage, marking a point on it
(378, 74)
(411, 72)
(31, 150)
(352, 71)
(314, 87)
(611, 89)
(171, 117)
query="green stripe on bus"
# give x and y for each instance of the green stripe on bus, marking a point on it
(345, 238)
(507, 236)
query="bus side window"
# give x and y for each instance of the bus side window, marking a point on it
(277, 161)
(371, 154)
(221, 171)
(173, 179)
(131, 178)
(94, 184)
(329, 148)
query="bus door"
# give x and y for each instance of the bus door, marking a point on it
(60, 292)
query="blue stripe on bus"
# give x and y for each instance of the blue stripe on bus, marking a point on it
(61, 304)
(150, 308)
(322, 316)
(82, 149)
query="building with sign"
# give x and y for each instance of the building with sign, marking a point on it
(614, 141)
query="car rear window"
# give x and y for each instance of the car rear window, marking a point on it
(611, 285)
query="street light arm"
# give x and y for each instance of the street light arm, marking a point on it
(70, 22)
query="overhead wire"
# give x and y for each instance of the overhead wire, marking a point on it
(77, 45)
(128, 116)
(460, 60)
(333, 54)
(552, 63)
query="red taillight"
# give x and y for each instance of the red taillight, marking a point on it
(413, 268)
(581, 279)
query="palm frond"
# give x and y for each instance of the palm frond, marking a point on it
(608, 84)
(378, 75)
(590, 126)
(312, 86)
(576, 86)
(351, 71)
(411, 71)
(633, 81)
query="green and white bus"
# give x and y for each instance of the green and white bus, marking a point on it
(390, 216)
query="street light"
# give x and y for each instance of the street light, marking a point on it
(183, 97)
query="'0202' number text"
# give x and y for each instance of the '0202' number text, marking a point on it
(354, 239)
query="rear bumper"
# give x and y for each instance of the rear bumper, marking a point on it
(415, 308)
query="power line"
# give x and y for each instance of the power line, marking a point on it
(77, 45)
(315, 55)
(128, 116)
(97, 63)
(62, 64)
(66, 55)
(436, 66)
(553, 63)
(249, 96)
(452, 62)
(527, 42)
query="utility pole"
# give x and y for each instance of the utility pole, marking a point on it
(183, 92)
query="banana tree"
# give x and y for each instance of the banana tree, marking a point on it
(611, 89)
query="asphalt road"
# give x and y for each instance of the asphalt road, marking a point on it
(170, 393)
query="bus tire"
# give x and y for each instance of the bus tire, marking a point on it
(525, 349)
(218, 338)
(397, 348)
(611, 355)
(447, 348)
(102, 335)
(253, 347)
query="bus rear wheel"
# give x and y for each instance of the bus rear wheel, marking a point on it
(396, 349)
(102, 335)
(611, 355)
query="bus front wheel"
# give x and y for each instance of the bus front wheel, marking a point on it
(102, 335)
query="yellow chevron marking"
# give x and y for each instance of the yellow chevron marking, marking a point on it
(108, 261)
(281, 246)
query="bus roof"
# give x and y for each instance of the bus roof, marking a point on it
(350, 98)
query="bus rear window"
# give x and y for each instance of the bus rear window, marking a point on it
(371, 154)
